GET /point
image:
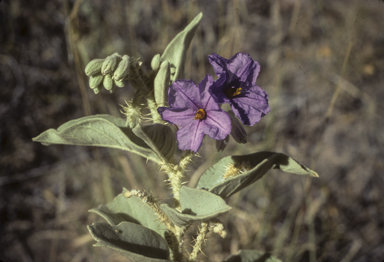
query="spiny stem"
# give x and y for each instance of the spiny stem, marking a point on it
(175, 174)
(156, 118)
(200, 239)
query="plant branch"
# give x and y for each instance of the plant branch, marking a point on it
(200, 239)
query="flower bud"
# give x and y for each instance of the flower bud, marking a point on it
(118, 83)
(219, 229)
(127, 194)
(155, 63)
(110, 63)
(94, 67)
(122, 69)
(108, 82)
(96, 90)
(95, 81)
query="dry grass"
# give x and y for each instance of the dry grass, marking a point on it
(321, 64)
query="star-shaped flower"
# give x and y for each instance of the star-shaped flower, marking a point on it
(196, 114)
(236, 85)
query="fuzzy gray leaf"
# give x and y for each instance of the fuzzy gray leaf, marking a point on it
(196, 205)
(98, 130)
(176, 50)
(160, 138)
(233, 173)
(131, 209)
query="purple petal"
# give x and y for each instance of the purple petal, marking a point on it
(217, 90)
(218, 63)
(240, 67)
(184, 94)
(255, 97)
(211, 105)
(180, 117)
(249, 111)
(243, 66)
(217, 124)
(191, 136)
(204, 86)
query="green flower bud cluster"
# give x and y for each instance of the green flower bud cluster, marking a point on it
(108, 72)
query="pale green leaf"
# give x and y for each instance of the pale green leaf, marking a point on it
(252, 256)
(131, 209)
(160, 138)
(161, 84)
(233, 173)
(155, 63)
(176, 50)
(196, 205)
(131, 240)
(98, 130)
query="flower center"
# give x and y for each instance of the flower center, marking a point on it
(232, 92)
(200, 114)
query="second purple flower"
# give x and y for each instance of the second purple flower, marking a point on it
(236, 85)
(196, 114)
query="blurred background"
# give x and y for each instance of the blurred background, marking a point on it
(322, 66)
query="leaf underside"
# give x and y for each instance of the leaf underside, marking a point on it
(160, 138)
(130, 209)
(233, 173)
(112, 132)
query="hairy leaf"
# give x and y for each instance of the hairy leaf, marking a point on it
(252, 256)
(160, 138)
(196, 205)
(131, 209)
(176, 50)
(131, 240)
(161, 84)
(98, 130)
(233, 173)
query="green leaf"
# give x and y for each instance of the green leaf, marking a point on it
(233, 173)
(196, 205)
(130, 209)
(252, 256)
(176, 50)
(131, 240)
(161, 84)
(160, 138)
(98, 130)
(155, 63)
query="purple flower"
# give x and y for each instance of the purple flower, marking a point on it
(195, 113)
(236, 85)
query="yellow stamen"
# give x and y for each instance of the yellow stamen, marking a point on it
(232, 92)
(200, 114)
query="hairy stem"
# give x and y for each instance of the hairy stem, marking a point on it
(156, 118)
(200, 239)
(175, 175)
